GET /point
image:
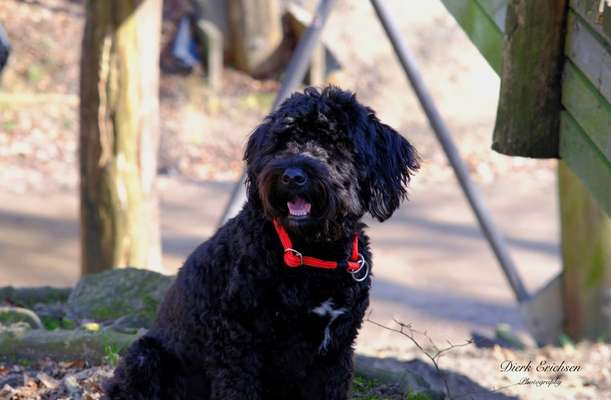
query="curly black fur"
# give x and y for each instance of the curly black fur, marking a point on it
(238, 323)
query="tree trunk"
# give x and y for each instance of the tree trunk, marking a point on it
(119, 135)
(586, 258)
(255, 34)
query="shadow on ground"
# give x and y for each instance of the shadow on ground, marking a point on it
(417, 375)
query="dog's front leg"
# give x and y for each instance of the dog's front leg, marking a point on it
(233, 363)
(236, 380)
(329, 377)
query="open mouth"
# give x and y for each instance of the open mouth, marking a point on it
(298, 207)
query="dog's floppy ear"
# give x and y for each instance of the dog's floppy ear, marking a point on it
(393, 162)
(258, 146)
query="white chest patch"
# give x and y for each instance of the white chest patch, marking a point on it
(326, 309)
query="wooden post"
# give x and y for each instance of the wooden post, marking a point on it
(586, 254)
(211, 29)
(255, 34)
(528, 115)
(119, 135)
(298, 20)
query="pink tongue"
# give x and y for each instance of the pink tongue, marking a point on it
(298, 205)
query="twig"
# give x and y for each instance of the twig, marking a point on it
(407, 331)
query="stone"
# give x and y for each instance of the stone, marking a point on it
(62, 345)
(28, 297)
(110, 295)
(130, 323)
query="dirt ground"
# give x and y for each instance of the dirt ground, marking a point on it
(203, 135)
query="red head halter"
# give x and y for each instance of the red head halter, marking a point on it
(294, 259)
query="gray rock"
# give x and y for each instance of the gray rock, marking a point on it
(28, 297)
(63, 345)
(53, 310)
(130, 323)
(110, 295)
(389, 370)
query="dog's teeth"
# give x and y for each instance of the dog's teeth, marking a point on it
(299, 207)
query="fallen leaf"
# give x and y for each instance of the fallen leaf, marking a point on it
(47, 381)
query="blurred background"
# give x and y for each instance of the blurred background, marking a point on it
(432, 266)
(432, 244)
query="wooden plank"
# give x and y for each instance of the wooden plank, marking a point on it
(588, 10)
(481, 29)
(588, 52)
(496, 10)
(586, 258)
(529, 103)
(583, 157)
(588, 107)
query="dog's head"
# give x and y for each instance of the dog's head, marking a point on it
(322, 160)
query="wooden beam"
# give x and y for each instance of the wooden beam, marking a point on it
(529, 104)
(589, 53)
(496, 11)
(591, 111)
(586, 255)
(483, 31)
(584, 158)
(588, 10)
(255, 35)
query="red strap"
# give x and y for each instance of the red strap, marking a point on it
(293, 258)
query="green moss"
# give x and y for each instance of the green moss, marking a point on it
(9, 318)
(110, 312)
(25, 363)
(364, 388)
(149, 312)
(50, 323)
(113, 294)
(29, 297)
(361, 383)
(67, 323)
(418, 396)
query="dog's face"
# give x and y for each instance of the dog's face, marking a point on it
(322, 160)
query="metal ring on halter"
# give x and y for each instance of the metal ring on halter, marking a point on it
(363, 264)
(298, 254)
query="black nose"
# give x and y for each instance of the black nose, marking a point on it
(295, 176)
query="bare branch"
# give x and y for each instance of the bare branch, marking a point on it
(408, 331)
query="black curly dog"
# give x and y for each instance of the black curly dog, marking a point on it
(241, 324)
